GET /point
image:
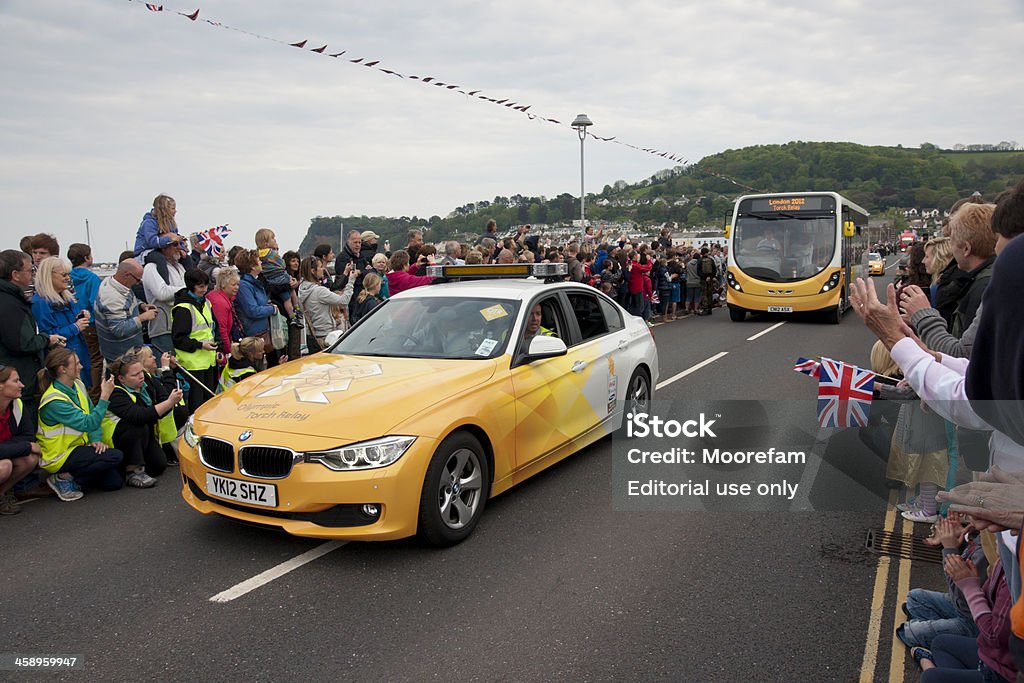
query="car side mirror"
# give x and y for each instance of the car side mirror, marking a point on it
(542, 346)
(332, 337)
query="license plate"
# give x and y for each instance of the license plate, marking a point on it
(243, 491)
(780, 309)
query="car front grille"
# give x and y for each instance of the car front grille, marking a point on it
(265, 462)
(216, 454)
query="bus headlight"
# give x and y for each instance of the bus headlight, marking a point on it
(731, 280)
(363, 456)
(832, 283)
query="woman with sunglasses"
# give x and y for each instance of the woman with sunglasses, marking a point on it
(132, 422)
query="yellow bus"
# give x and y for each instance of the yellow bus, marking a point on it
(794, 252)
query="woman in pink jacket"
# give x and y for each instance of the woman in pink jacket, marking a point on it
(400, 279)
(222, 301)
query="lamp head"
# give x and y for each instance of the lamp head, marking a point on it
(582, 121)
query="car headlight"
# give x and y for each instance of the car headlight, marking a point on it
(189, 434)
(367, 455)
(832, 283)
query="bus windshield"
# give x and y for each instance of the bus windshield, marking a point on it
(784, 247)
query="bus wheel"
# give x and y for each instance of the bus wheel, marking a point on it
(737, 314)
(834, 316)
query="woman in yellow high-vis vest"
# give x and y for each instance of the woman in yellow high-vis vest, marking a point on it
(193, 331)
(70, 430)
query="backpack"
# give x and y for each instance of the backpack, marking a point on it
(707, 266)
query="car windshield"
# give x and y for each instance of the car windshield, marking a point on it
(874, 256)
(433, 327)
(784, 247)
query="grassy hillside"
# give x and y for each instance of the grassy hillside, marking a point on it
(877, 178)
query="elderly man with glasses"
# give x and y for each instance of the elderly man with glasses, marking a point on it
(118, 314)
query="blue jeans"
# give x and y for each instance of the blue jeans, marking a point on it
(956, 661)
(933, 614)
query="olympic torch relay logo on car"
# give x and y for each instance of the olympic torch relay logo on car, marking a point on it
(313, 384)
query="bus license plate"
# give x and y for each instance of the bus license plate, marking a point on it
(243, 491)
(780, 309)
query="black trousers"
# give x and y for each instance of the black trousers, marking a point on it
(197, 396)
(140, 446)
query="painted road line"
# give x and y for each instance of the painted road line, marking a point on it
(894, 263)
(764, 332)
(693, 368)
(870, 659)
(897, 667)
(276, 572)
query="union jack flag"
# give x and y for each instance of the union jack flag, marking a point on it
(212, 240)
(807, 366)
(154, 8)
(844, 394)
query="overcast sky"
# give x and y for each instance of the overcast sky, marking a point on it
(106, 104)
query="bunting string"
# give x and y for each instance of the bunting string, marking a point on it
(433, 81)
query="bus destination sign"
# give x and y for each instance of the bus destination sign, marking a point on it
(793, 204)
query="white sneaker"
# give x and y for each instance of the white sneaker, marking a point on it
(920, 516)
(908, 506)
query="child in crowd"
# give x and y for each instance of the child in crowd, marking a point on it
(279, 282)
(933, 613)
(246, 357)
(158, 230)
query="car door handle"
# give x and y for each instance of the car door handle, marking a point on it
(579, 366)
(623, 343)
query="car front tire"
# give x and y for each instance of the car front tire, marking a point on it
(455, 491)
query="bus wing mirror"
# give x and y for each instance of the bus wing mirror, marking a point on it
(848, 229)
(728, 229)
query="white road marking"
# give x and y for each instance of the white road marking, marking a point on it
(690, 369)
(764, 332)
(276, 572)
(894, 263)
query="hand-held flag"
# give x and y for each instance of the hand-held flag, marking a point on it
(211, 240)
(844, 394)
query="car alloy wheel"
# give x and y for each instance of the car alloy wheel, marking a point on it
(639, 393)
(455, 491)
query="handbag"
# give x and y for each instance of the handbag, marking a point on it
(278, 331)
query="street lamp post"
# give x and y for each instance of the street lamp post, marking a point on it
(580, 124)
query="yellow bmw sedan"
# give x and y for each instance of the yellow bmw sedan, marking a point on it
(442, 397)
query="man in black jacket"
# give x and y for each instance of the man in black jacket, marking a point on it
(349, 253)
(21, 344)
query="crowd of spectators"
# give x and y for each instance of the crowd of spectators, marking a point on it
(952, 329)
(98, 376)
